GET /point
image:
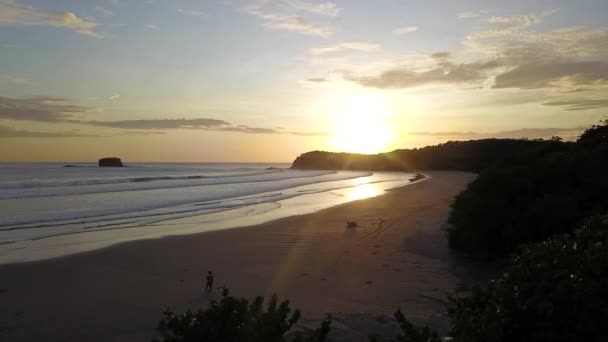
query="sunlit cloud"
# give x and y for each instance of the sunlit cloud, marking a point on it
(365, 46)
(289, 15)
(472, 14)
(401, 31)
(579, 104)
(507, 53)
(17, 14)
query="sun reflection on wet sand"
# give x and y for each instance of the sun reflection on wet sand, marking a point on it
(364, 190)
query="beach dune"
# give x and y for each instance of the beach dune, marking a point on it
(395, 257)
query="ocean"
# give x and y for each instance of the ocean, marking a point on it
(49, 210)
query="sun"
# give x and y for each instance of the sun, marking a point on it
(361, 125)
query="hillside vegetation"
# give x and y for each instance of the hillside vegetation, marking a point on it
(473, 156)
(532, 195)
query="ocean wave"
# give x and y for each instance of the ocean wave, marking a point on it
(13, 185)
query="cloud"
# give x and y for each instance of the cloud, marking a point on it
(14, 13)
(151, 27)
(8, 132)
(515, 21)
(192, 12)
(317, 79)
(201, 124)
(444, 70)
(579, 104)
(40, 108)
(472, 14)
(158, 123)
(289, 15)
(59, 110)
(522, 133)
(365, 46)
(508, 53)
(114, 96)
(401, 31)
(533, 76)
(328, 8)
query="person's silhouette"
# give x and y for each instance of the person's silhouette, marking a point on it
(209, 282)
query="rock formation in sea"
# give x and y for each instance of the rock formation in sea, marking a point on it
(110, 162)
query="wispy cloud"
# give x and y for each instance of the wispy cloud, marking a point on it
(289, 15)
(59, 110)
(40, 108)
(14, 13)
(365, 46)
(328, 8)
(114, 96)
(157, 123)
(401, 31)
(579, 103)
(9, 132)
(472, 14)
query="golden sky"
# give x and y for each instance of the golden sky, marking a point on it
(251, 81)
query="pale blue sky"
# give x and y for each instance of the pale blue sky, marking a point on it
(76, 77)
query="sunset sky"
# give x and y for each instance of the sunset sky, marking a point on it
(186, 80)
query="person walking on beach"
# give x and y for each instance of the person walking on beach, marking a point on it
(209, 282)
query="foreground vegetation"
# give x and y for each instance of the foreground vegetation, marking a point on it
(532, 195)
(555, 290)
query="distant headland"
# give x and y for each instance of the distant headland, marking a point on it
(472, 156)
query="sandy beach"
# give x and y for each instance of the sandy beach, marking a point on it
(396, 257)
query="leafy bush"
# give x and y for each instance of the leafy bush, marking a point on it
(556, 290)
(531, 196)
(235, 320)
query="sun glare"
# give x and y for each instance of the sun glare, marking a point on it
(361, 125)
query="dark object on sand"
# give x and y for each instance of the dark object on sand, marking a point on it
(110, 162)
(351, 224)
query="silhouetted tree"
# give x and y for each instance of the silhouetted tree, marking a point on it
(596, 135)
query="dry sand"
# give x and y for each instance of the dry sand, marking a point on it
(115, 294)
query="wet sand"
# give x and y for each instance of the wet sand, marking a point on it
(396, 257)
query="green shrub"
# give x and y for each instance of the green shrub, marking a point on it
(556, 290)
(235, 320)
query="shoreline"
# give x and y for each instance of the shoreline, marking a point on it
(83, 241)
(115, 293)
